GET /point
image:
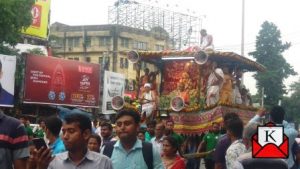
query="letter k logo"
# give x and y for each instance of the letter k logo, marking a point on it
(270, 142)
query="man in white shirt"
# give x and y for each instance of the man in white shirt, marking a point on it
(206, 40)
(234, 129)
(214, 84)
(159, 135)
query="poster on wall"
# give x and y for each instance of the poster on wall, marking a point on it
(7, 80)
(178, 73)
(114, 85)
(57, 81)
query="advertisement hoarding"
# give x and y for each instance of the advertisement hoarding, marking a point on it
(40, 19)
(7, 80)
(57, 81)
(114, 85)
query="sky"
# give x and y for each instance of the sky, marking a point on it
(221, 18)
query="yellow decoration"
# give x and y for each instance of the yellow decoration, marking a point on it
(40, 20)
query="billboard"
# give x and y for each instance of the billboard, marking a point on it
(57, 81)
(40, 19)
(114, 85)
(7, 80)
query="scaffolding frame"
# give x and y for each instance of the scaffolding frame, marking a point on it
(183, 29)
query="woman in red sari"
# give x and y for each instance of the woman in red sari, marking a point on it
(170, 158)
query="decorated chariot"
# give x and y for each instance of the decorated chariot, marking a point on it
(193, 87)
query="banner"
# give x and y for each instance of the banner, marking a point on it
(40, 19)
(114, 85)
(7, 80)
(199, 122)
(55, 81)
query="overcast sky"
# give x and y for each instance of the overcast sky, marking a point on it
(222, 20)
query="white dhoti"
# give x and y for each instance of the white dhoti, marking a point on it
(213, 89)
(213, 95)
(147, 108)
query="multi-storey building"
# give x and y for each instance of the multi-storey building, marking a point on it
(104, 44)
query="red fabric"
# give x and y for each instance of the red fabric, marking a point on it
(178, 163)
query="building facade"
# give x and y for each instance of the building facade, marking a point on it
(105, 45)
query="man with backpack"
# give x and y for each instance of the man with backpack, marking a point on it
(130, 152)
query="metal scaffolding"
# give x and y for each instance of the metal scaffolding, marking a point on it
(183, 29)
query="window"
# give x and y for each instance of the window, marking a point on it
(88, 41)
(104, 41)
(100, 60)
(140, 45)
(88, 59)
(159, 47)
(76, 42)
(107, 63)
(125, 42)
(73, 42)
(126, 63)
(121, 63)
(107, 60)
(70, 42)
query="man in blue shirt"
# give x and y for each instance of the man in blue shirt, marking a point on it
(76, 130)
(52, 129)
(127, 152)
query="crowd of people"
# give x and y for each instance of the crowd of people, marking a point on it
(76, 142)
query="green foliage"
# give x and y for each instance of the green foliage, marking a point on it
(164, 102)
(36, 51)
(269, 49)
(15, 16)
(292, 103)
(5, 50)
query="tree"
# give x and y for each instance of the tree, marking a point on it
(15, 16)
(269, 49)
(36, 51)
(292, 103)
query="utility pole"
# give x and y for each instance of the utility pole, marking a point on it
(243, 28)
(115, 47)
(243, 33)
(262, 96)
(65, 43)
(84, 44)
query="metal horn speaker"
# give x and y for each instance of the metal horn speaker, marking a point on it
(117, 102)
(133, 56)
(201, 57)
(177, 103)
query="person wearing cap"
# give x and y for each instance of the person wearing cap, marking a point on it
(143, 80)
(148, 101)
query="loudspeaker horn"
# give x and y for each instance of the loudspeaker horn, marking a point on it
(117, 102)
(201, 57)
(133, 56)
(177, 103)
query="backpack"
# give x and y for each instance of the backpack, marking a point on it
(146, 149)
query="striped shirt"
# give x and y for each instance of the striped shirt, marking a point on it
(13, 141)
